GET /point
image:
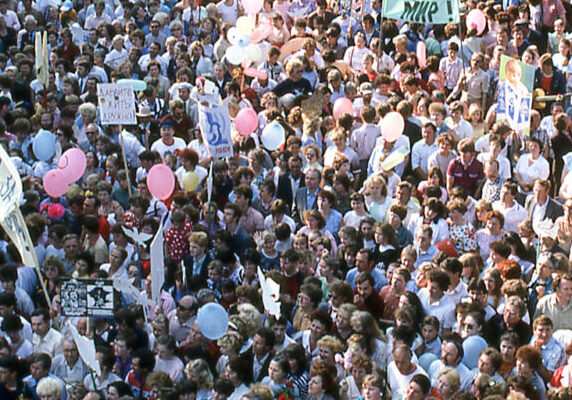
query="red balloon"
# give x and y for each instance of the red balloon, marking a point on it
(55, 183)
(161, 181)
(246, 121)
(342, 106)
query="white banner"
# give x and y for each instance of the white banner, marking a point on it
(116, 104)
(214, 122)
(157, 264)
(10, 185)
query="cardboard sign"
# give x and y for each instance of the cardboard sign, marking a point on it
(116, 104)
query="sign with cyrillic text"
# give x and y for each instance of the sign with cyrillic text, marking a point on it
(116, 104)
(422, 11)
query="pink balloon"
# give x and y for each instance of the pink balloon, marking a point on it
(392, 126)
(252, 6)
(246, 121)
(421, 54)
(342, 106)
(55, 183)
(261, 33)
(254, 73)
(72, 163)
(476, 19)
(161, 181)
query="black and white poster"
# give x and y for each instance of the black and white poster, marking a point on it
(87, 298)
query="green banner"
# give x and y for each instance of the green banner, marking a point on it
(423, 11)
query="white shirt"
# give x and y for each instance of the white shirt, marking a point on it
(163, 149)
(353, 57)
(173, 367)
(399, 382)
(460, 292)
(464, 373)
(531, 172)
(513, 215)
(504, 164)
(440, 228)
(420, 154)
(539, 212)
(50, 344)
(463, 129)
(443, 309)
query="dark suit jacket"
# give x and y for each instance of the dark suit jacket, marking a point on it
(248, 356)
(196, 282)
(284, 189)
(299, 205)
(558, 84)
(553, 209)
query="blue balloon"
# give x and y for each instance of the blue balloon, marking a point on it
(426, 360)
(472, 347)
(44, 145)
(137, 85)
(212, 320)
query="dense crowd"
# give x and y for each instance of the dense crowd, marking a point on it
(428, 263)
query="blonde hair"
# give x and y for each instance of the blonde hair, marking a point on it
(251, 316)
(231, 340)
(49, 386)
(452, 377)
(379, 180)
(200, 368)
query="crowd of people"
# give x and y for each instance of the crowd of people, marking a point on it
(428, 263)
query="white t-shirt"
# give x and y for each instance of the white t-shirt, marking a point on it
(163, 149)
(228, 13)
(399, 382)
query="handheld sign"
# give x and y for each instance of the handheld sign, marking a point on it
(116, 104)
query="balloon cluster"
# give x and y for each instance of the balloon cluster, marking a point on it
(71, 167)
(244, 38)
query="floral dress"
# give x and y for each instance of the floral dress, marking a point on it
(463, 237)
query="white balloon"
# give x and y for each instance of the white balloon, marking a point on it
(235, 55)
(243, 40)
(245, 25)
(273, 136)
(254, 53)
(233, 36)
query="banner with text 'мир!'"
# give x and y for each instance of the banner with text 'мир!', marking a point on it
(422, 11)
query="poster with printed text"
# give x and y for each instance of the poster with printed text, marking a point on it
(516, 82)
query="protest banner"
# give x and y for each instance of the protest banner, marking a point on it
(516, 82)
(215, 127)
(423, 11)
(116, 104)
(11, 217)
(86, 350)
(87, 298)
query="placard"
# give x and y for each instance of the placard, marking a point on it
(516, 82)
(87, 298)
(214, 122)
(116, 104)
